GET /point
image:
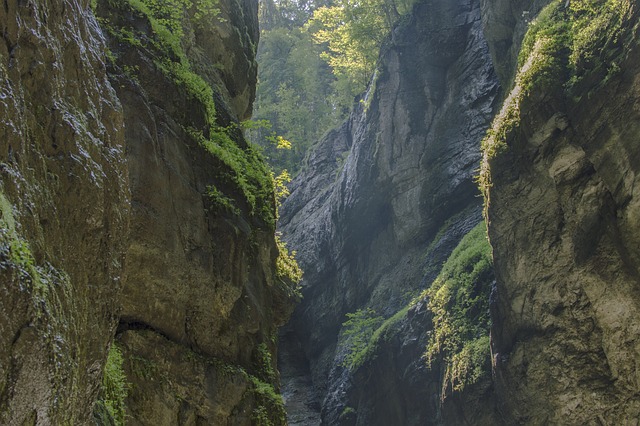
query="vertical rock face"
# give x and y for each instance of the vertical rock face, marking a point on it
(132, 206)
(201, 297)
(504, 25)
(563, 222)
(375, 192)
(559, 173)
(64, 201)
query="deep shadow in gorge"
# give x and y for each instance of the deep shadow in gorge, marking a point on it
(301, 398)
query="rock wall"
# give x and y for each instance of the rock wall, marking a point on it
(133, 207)
(64, 200)
(201, 297)
(562, 211)
(364, 215)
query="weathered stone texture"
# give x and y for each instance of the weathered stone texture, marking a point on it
(563, 222)
(197, 292)
(65, 208)
(200, 280)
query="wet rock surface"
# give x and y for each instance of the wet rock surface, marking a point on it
(108, 228)
(200, 286)
(64, 201)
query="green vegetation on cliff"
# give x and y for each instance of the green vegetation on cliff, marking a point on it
(157, 48)
(315, 56)
(19, 254)
(359, 330)
(297, 94)
(459, 302)
(572, 48)
(240, 169)
(115, 387)
(241, 166)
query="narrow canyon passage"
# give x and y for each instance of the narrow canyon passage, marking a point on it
(301, 398)
(320, 212)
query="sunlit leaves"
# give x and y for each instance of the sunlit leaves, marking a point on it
(353, 31)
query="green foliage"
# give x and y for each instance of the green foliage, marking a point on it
(347, 413)
(288, 273)
(287, 13)
(459, 302)
(315, 56)
(358, 330)
(264, 363)
(244, 166)
(270, 406)
(295, 95)
(19, 253)
(353, 31)
(373, 330)
(168, 13)
(195, 86)
(221, 201)
(561, 47)
(597, 32)
(577, 40)
(260, 416)
(115, 386)
(171, 13)
(280, 186)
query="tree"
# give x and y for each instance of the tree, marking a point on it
(314, 57)
(295, 94)
(353, 31)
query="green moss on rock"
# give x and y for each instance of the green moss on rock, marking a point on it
(572, 48)
(242, 167)
(459, 302)
(115, 388)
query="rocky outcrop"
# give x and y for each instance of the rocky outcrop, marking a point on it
(64, 200)
(133, 207)
(364, 215)
(561, 181)
(201, 297)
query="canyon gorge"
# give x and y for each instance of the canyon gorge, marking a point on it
(469, 235)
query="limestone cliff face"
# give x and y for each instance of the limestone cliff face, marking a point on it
(201, 297)
(364, 215)
(563, 222)
(64, 200)
(133, 207)
(504, 26)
